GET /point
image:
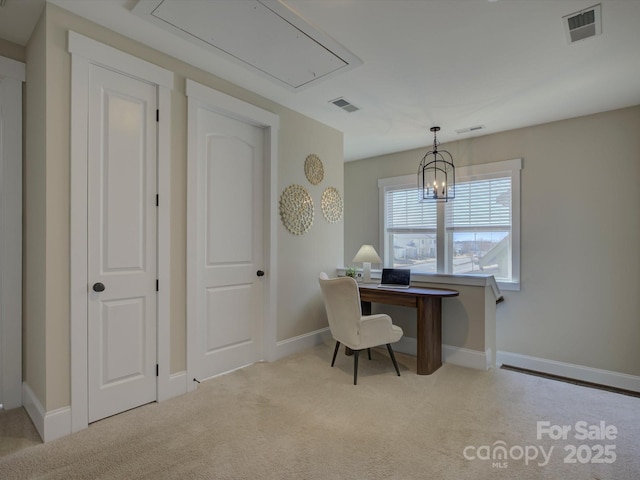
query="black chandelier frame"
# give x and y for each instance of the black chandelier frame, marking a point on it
(436, 174)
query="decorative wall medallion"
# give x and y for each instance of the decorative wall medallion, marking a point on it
(296, 209)
(313, 169)
(332, 205)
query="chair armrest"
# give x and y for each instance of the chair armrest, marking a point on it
(375, 330)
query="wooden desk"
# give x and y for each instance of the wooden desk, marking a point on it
(428, 302)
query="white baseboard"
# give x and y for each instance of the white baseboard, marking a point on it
(570, 370)
(34, 409)
(465, 357)
(57, 423)
(176, 386)
(454, 355)
(50, 425)
(302, 342)
(462, 357)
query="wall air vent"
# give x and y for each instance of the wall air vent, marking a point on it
(470, 129)
(583, 24)
(343, 104)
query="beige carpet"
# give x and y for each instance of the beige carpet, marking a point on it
(16, 431)
(300, 419)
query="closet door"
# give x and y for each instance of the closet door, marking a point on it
(230, 243)
(12, 74)
(122, 237)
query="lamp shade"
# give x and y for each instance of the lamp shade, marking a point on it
(367, 254)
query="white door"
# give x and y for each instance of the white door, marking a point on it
(11, 78)
(12, 74)
(121, 243)
(230, 243)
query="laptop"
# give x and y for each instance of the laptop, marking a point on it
(395, 278)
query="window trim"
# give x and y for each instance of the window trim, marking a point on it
(464, 174)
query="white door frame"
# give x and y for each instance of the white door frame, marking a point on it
(85, 51)
(201, 95)
(12, 74)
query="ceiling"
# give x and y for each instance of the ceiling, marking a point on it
(501, 64)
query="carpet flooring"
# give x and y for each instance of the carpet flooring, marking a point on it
(297, 418)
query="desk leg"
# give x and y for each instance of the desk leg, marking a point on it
(429, 335)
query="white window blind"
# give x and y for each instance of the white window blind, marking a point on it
(476, 233)
(406, 214)
(482, 203)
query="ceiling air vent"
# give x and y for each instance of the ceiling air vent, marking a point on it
(343, 104)
(583, 24)
(470, 129)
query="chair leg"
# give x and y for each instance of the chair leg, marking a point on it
(335, 352)
(393, 358)
(356, 354)
(369, 353)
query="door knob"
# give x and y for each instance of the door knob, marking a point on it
(260, 273)
(98, 287)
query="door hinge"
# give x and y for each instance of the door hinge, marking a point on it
(157, 115)
(157, 285)
(157, 200)
(157, 370)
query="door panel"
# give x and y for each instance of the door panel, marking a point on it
(232, 302)
(229, 181)
(122, 324)
(124, 183)
(121, 243)
(230, 231)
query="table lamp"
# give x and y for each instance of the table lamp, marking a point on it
(367, 255)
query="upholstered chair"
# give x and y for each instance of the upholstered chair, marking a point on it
(349, 327)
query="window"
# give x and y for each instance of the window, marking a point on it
(410, 236)
(476, 233)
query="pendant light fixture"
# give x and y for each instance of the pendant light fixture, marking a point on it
(436, 174)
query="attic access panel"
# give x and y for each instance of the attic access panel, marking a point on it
(262, 34)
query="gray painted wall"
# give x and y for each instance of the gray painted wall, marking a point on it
(580, 231)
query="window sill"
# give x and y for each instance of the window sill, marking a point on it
(451, 279)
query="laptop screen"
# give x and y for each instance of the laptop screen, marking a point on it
(396, 276)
